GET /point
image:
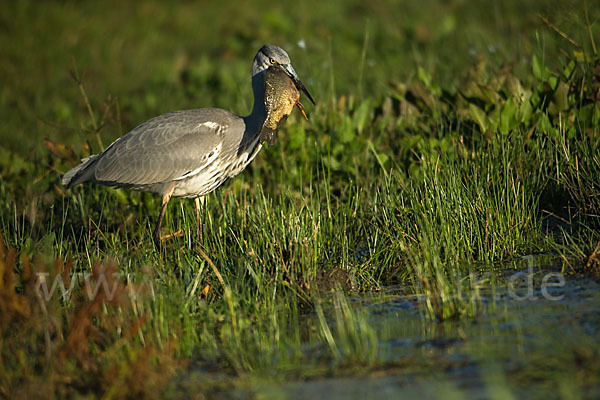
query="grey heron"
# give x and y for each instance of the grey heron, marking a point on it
(190, 153)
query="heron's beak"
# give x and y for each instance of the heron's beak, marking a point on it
(294, 76)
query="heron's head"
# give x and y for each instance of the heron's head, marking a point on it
(273, 56)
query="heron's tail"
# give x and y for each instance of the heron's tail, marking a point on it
(81, 173)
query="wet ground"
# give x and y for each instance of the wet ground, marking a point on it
(537, 336)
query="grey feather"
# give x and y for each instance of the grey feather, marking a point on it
(186, 153)
(162, 149)
(79, 174)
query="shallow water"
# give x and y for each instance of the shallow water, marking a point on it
(537, 337)
(534, 340)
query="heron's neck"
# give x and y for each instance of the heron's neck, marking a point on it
(256, 119)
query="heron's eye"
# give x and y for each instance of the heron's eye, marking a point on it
(272, 61)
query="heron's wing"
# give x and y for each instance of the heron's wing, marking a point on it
(165, 148)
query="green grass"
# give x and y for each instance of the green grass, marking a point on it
(443, 137)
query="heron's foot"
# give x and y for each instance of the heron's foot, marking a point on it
(179, 233)
(158, 239)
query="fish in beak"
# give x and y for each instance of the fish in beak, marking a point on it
(281, 96)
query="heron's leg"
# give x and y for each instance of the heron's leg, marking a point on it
(161, 216)
(197, 201)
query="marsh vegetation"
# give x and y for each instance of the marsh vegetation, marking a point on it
(376, 241)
